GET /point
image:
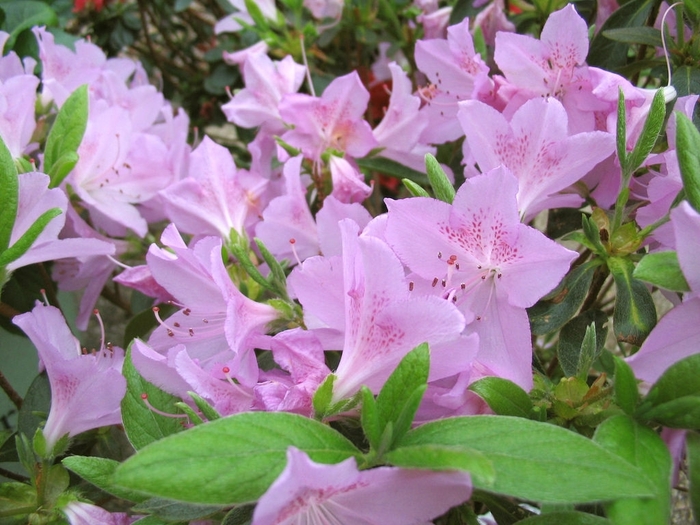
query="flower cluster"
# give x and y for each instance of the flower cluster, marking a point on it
(288, 300)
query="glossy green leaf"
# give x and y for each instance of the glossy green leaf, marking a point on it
(663, 270)
(565, 518)
(392, 168)
(504, 397)
(141, 424)
(643, 448)
(537, 461)
(24, 14)
(35, 408)
(174, 510)
(674, 400)
(692, 448)
(369, 418)
(686, 80)
(553, 312)
(442, 187)
(440, 457)
(236, 458)
(28, 238)
(576, 353)
(688, 151)
(650, 131)
(9, 196)
(99, 471)
(648, 36)
(625, 384)
(66, 134)
(609, 54)
(414, 189)
(401, 394)
(635, 313)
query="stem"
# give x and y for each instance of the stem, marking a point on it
(13, 475)
(599, 278)
(10, 391)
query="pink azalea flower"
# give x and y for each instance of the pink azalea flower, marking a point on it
(86, 389)
(348, 181)
(216, 197)
(486, 261)
(288, 218)
(79, 513)
(35, 198)
(677, 335)
(17, 101)
(309, 493)
(265, 84)
(536, 147)
(456, 72)
(383, 320)
(334, 120)
(217, 323)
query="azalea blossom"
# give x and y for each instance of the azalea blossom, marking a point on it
(485, 261)
(310, 493)
(86, 388)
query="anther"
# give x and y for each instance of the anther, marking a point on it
(410, 286)
(435, 281)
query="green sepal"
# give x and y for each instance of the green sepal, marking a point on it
(674, 400)
(592, 233)
(635, 313)
(66, 135)
(414, 189)
(504, 397)
(25, 242)
(688, 151)
(621, 131)
(442, 187)
(323, 396)
(209, 411)
(291, 150)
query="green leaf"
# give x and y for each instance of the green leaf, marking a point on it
(692, 448)
(686, 80)
(643, 448)
(35, 408)
(56, 481)
(688, 151)
(653, 125)
(674, 400)
(369, 418)
(625, 384)
(621, 132)
(648, 36)
(442, 187)
(565, 518)
(536, 461)
(578, 347)
(174, 510)
(392, 168)
(663, 270)
(24, 14)
(440, 457)
(592, 233)
(9, 196)
(16, 501)
(609, 54)
(242, 515)
(635, 314)
(99, 471)
(504, 397)
(66, 135)
(141, 424)
(277, 279)
(414, 189)
(562, 304)
(209, 411)
(401, 394)
(236, 458)
(323, 396)
(28, 238)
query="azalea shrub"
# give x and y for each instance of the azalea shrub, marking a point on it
(445, 270)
